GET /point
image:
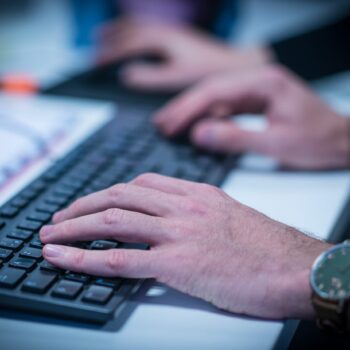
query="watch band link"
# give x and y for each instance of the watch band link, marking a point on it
(330, 316)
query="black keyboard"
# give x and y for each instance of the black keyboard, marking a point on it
(121, 150)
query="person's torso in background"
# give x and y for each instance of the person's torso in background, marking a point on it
(216, 16)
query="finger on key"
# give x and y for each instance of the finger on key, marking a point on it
(116, 224)
(123, 196)
(165, 184)
(130, 263)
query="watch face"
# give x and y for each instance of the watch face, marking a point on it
(330, 277)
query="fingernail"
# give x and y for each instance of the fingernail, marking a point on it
(46, 232)
(53, 251)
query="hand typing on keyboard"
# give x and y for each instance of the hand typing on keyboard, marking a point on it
(181, 48)
(201, 241)
(302, 131)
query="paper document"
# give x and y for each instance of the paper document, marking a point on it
(36, 131)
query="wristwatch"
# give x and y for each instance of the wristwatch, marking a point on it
(330, 283)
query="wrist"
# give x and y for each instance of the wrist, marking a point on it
(299, 296)
(296, 286)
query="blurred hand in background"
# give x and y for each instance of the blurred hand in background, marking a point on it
(187, 54)
(302, 131)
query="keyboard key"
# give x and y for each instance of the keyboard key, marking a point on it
(19, 234)
(98, 185)
(56, 200)
(140, 246)
(77, 277)
(10, 277)
(32, 253)
(64, 191)
(45, 265)
(97, 294)
(38, 186)
(5, 254)
(75, 185)
(103, 245)
(9, 212)
(204, 161)
(96, 160)
(107, 282)
(29, 194)
(77, 180)
(61, 196)
(53, 174)
(82, 177)
(41, 217)
(19, 202)
(82, 245)
(87, 191)
(86, 169)
(22, 263)
(48, 208)
(30, 225)
(9, 243)
(67, 289)
(36, 243)
(39, 282)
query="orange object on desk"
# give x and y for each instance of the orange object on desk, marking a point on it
(18, 83)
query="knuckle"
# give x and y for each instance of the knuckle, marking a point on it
(144, 178)
(214, 88)
(115, 259)
(180, 229)
(65, 228)
(209, 189)
(194, 207)
(212, 83)
(117, 190)
(78, 259)
(76, 206)
(210, 89)
(112, 216)
(276, 76)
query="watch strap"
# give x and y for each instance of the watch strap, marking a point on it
(331, 315)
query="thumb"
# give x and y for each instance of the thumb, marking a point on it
(154, 76)
(227, 136)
